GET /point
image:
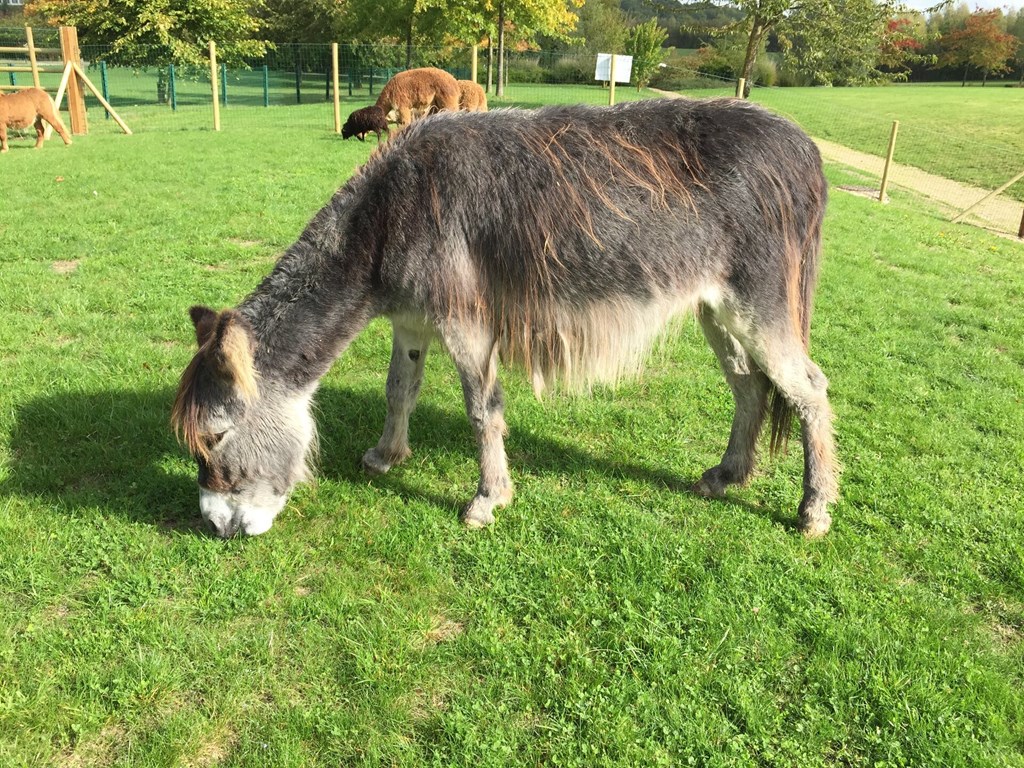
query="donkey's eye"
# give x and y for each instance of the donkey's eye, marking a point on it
(214, 439)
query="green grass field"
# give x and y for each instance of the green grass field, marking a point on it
(968, 134)
(608, 618)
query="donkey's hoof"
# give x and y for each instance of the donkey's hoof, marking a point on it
(711, 485)
(815, 527)
(376, 462)
(478, 515)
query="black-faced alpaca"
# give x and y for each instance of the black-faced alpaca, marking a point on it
(562, 240)
(363, 121)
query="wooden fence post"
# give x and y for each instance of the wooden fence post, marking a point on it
(611, 80)
(30, 42)
(960, 216)
(71, 54)
(741, 85)
(473, 68)
(888, 161)
(213, 86)
(337, 85)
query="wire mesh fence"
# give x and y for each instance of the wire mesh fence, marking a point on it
(157, 96)
(292, 88)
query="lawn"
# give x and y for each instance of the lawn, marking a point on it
(608, 618)
(970, 134)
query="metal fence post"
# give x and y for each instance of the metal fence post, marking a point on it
(298, 75)
(266, 86)
(173, 85)
(224, 84)
(103, 87)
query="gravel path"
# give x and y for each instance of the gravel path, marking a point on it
(1000, 213)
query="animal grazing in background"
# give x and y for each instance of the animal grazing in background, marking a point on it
(472, 96)
(30, 106)
(561, 240)
(418, 92)
(364, 120)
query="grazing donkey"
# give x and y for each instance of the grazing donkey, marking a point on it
(562, 240)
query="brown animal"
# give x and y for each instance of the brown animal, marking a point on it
(364, 120)
(29, 107)
(472, 97)
(417, 92)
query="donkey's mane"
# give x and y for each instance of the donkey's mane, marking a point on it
(225, 355)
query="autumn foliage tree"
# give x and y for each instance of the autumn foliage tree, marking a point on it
(981, 44)
(145, 32)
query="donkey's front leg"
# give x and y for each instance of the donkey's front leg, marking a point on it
(408, 355)
(476, 356)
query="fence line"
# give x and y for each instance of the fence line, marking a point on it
(315, 85)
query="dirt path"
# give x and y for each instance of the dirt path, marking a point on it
(1000, 213)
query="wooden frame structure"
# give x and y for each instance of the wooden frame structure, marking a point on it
(73, 77)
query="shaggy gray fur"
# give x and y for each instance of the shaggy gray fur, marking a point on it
(561, 240)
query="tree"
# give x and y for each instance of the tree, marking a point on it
(528, 19)
(822, 37)
(979, 43)
(146, 32)
(645, 46)
(602, 26)
(838, 42)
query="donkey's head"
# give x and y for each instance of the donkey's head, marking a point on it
(249, 436)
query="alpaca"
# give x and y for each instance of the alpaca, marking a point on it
(418, 92)
(472, 97)
(364, 120)
(29, 107)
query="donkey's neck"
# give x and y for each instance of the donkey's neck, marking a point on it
(307, 311)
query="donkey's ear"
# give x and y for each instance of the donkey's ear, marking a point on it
(232, 352)
(205, 321)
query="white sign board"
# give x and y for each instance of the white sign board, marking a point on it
(623, 67)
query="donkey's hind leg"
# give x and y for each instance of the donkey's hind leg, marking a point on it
(749, 388)
(475, 353)
(782, 357)
(405, 375)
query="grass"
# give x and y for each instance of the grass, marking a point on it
(968, 134)
(609, 618)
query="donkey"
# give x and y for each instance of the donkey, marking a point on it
(561, 240)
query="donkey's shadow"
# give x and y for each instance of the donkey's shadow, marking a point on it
(114, 451)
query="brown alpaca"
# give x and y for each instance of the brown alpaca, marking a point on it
(417, 92)
(472, 98)
(29, 107)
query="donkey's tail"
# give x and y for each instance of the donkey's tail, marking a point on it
(804, 250)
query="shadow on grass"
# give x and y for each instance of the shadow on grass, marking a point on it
(114, 451)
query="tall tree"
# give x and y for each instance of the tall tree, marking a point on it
(980, 43)
(529, 18)
(839, 42)
(645, 46)
(813, 31)
(602, 26)
(143, 32)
